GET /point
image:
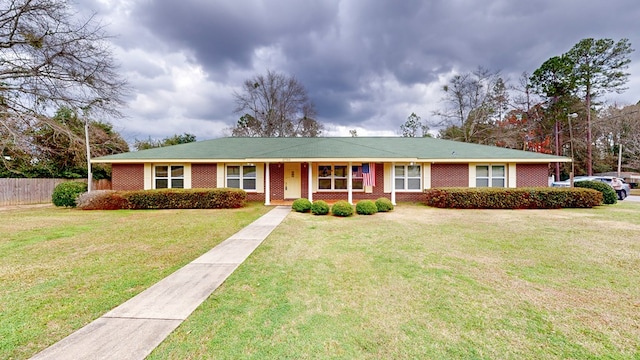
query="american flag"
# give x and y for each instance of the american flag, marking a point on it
(369, 174)
(356, 171)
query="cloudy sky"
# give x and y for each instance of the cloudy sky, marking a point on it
(366, 64)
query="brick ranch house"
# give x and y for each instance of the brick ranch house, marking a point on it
(329, 168)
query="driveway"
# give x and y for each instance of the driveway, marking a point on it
(634, 198)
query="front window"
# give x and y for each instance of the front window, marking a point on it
(169, 177)
(241, 177)
(491, 176)
(407, 177)
(336, 177)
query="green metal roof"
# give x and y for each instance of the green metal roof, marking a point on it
(317, 149)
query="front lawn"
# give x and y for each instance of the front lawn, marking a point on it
(62, 268)
(415, 283)
(422, 283)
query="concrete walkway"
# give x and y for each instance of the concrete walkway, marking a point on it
(133, 329)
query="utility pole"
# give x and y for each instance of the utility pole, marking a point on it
(86, 140)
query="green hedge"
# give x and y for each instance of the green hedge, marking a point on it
(384, 204)
(223, 198)
(319, 207)
(609, 195)
(66, 193)
(301, 205)
(342, 208)
(366, 207)
(520, 198)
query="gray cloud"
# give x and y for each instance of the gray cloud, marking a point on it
(365, 64)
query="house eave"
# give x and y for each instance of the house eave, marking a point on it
(331, 160)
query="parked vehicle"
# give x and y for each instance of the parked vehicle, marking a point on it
(626, 189)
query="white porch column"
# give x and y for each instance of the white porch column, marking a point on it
(393, 183)
(267, 184)
(349, 187)
(310, 181)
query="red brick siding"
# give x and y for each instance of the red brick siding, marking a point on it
(449, 175)
(532, 175)
(252, 196)
(127, 176)
(204, 176)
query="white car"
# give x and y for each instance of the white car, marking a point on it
(624, 192)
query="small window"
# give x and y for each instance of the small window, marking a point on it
(242, 177)
(408, 177)
(169, 176)
(491, 176)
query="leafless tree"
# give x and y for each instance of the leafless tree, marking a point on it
(615, 127)
(275, 105)
(472, 101)
(52, 59)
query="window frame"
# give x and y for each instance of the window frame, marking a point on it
(332, 177)
(490, 178)
(241, 177)
(405, 177)
(170, 177)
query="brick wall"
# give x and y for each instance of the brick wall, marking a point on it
(532, 175)
(127, 176)
(204, 176)
(449, 175)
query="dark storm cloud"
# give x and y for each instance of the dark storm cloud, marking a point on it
(222, 33)
(363, 62)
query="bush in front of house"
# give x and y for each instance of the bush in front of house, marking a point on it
(163, 199)
(319, 207)
(383, 204)
(520, 198)
(609, 195)
(223, 198)
(102, 200)
(66, 193)
(301, 205)
(342, 208)
(366, 207)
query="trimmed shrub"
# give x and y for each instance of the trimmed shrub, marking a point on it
(384, 205)
(342, 208)
(101, 200)
(609, 195)
(319, 207)
(301, 205)
(163, 199)
(223, 198)
(520, 198)
(366, 207)
(66, 193)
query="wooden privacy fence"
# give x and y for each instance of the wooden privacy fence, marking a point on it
(36, 191)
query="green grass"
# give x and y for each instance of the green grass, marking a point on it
(415, 283)
(62, 268)
(421, 283)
